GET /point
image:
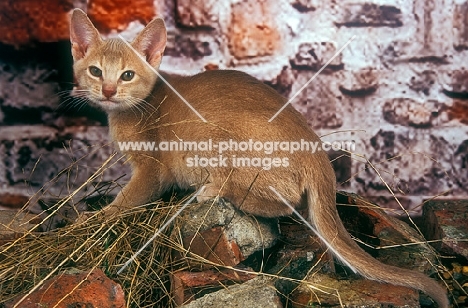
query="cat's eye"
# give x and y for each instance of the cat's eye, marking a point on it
(96, 72)
(127, 75)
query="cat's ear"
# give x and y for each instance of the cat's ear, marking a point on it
(151, 42)
(82, 34)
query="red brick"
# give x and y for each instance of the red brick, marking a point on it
(110, 15)
(82, 289)
(253, 32)
(28, 21)
(214, 246)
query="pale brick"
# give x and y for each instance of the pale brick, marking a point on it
(406, 112)
(312, 56)
(318, 101)
(433, 29)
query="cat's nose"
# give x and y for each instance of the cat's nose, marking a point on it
(109, 91)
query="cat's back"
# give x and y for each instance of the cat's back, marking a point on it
(228, 91)
(230, 101)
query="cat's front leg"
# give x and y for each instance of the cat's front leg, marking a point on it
(143, 187)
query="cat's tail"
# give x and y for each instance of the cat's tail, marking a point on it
(324, 216)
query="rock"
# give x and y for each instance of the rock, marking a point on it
(250, 234)
(14, 224)
(75, 289)
(445, 222)
(258, 293)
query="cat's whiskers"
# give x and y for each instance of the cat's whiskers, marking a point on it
(79, 99)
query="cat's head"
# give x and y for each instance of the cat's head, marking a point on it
(109, 73)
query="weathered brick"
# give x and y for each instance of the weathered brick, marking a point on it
(108, 15)
(198, 13)
(249, 37)
(445, 221)
(460, 26)
(12, 200)
(433, 30)
(370, 15)
(312, 56)
(455, 83)
(458, 111)
(38, 156)
(189, 47)
(406, 112)
(213, 245)
(28, 21)
(353, 293)
(185, 285)
(360, 83)
(408, 169)
(318, 101)
(305, 5)
(14, 224)
(75, 289)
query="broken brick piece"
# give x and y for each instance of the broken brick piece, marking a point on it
(187, 285)
(213, 245)
(74, 289)
(445, 220)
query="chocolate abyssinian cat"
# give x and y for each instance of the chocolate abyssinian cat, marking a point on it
(228, 161)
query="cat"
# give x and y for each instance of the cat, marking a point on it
(231, 107)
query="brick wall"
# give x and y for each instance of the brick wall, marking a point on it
(399, 89)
